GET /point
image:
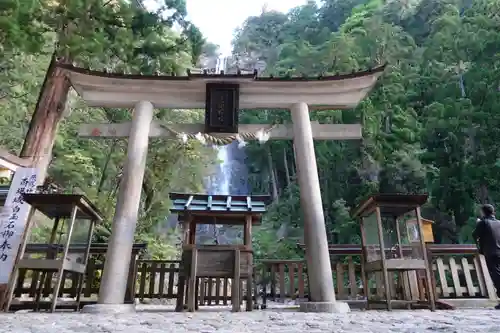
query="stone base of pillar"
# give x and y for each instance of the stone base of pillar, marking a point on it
(108, 308)
(325, 307)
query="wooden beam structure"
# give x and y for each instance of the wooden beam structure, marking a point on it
(11, 161)
(280, 132)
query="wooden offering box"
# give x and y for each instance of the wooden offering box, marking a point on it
(217, 261)
(233, 261)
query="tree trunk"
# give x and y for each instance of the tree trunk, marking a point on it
(277, 182)
(104, 173)
(287, 170)
(483, 194)
(274, 185)
(294, 165)
(48, 113)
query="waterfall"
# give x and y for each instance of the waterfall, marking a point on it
(224, 170)
(230, 178)
(231, 175)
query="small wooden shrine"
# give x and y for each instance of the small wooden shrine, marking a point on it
(394, 249)
(71, 213)
(217, 261)
(427, 228)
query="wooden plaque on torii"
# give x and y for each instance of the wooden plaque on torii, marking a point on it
(221, 109)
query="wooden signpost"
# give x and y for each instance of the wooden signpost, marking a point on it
(13, 224)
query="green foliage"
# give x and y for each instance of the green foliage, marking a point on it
(430, 125)
(119, 36)
(160, 247)
(20, 26)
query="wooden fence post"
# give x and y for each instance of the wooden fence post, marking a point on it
(490, 288)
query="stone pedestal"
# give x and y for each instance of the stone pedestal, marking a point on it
(325, 307)
(108, 309)
(116, 268)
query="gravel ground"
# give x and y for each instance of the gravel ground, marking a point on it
(269, 321)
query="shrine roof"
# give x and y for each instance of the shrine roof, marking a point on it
(223, 208)
(393, 204)
(103, 89)
(55, 205)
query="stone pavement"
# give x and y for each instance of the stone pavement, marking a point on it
(269, 321)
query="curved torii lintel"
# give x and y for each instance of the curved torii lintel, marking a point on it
(101, 89)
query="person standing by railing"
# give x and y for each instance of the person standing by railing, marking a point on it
(487, 237)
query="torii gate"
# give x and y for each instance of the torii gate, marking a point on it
(222, 96)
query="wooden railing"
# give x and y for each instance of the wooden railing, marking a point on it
(282, 279)
(27, 282)
(157, 279)
(216, 291)
(459, 272)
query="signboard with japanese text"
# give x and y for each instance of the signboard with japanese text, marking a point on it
(221, 110)
(13, 219)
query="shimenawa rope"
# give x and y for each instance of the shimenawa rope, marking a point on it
(219, 141)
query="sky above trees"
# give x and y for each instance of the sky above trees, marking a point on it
(217, 19)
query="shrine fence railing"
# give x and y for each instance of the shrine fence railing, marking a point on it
(27, 285)
(460, 272)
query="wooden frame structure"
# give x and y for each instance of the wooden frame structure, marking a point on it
(217, 261)
(394, 207)
(145, 93)
(62, 208)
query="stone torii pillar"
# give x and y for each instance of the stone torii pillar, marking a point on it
(321, 287)
(116, 267)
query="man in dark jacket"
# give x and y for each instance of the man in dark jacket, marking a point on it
(487, 236)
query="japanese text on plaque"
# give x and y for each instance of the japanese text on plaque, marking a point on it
(13, 219)
(27, 185)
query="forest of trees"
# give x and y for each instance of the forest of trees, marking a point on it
(114, 35)
(429, 126)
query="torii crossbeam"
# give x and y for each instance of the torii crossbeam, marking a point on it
(279, 132)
